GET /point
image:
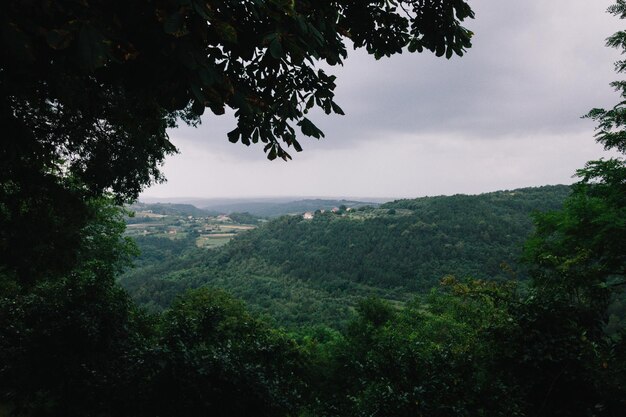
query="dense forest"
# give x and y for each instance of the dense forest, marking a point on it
(313, 271)
(88, 91)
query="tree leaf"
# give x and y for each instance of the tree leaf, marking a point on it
(337, 109)
(272, 153)
(91, 47)
(175, 24)
(226, 31)
(276, 49)
(309, 129)
(58, 38)
(233, 135)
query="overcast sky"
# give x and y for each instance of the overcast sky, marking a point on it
(506, 115)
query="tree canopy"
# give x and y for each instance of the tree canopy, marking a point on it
(580, 252)
(88, 90)
(90, 87)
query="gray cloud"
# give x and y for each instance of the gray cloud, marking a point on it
(535, 68)
(528, 72)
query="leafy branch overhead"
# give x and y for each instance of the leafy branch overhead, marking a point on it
(172, 59)
(611, 123)
(580, 252)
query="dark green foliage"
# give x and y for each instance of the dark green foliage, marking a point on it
(475, 349)
(75, 345)
(434, 359)
(575, 367)
(40, 225)
(581, 250)
(244, 218)
(72, 343)
(68, 341)
(462, 235)
(156, 250)
(610, 130)
(42, 237)
(215, 358)
(67, 347)
(579, 253)
(289, 301)
(568, 344)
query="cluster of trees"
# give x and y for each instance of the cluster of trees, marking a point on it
(88, 130)
(79, 346)
(173, 209)
(475, 349)
(460, 235)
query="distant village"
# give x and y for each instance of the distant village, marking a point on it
(309, 215)
(209, 231)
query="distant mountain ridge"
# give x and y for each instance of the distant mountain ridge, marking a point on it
(405, 243)
(266, 209)
(172, 209)
(270, 209)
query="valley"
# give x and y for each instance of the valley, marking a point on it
(312, 268)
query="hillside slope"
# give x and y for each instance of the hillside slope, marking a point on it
(306, 271)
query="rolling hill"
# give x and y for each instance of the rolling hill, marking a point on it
(303, 271)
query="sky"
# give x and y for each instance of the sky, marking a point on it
(504, 116)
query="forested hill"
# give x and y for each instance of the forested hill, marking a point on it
(292, 267)
(407, 243)
(171, 209)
